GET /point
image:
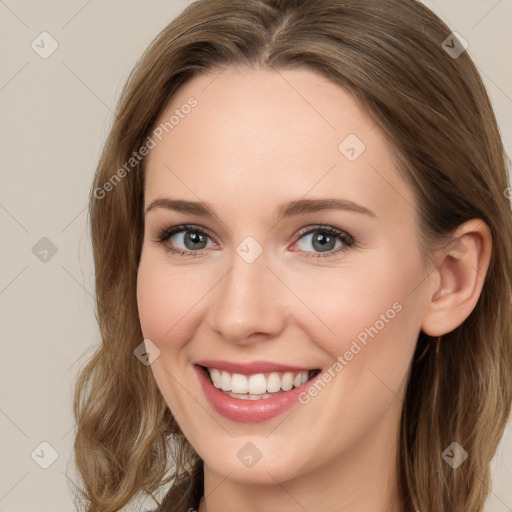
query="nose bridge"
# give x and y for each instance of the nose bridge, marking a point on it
(247, 299)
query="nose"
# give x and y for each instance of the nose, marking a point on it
(248, 303)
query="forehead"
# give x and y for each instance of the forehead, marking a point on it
(271, 135)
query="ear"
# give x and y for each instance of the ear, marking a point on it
(458, 278)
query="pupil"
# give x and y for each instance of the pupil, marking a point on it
(194, 238)
(325, 242)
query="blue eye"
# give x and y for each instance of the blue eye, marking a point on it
(325, 240)
(328, 241)
(192, 237)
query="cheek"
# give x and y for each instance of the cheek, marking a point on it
(165, 297)
(155, 303)
(348, 300)
(163, 304)
(368, 305)
(367, 320)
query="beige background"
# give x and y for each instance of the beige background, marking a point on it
(55, 115)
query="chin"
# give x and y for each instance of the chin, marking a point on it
(250, 463)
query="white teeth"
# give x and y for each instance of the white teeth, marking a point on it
(216, 377)
(225, 382)
(287, 382)
(248, 396)
(257, 384)
(273, 383)
(239, 383)
(254, 387)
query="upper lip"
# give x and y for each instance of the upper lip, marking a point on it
(250, 368)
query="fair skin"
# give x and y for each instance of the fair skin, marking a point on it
(258, 139)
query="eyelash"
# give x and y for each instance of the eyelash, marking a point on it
(347, 240)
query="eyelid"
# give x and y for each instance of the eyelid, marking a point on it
(171, 230)
(326, 228)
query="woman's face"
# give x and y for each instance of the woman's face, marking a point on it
(278, 280)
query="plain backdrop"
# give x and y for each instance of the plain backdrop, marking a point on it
(55, 114)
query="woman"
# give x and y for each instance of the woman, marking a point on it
(301, 209)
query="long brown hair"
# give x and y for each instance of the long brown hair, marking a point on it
(434, 109)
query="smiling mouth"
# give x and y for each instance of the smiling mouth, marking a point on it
(257, 386)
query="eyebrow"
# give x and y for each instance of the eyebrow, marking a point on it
(290, 209)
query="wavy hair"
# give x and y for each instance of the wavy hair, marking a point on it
(434, 109)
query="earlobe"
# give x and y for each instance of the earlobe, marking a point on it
(461, 269)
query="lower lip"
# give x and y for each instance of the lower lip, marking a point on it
(249, 411)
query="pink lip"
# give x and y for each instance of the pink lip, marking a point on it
(250, 368)
(249, 411)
